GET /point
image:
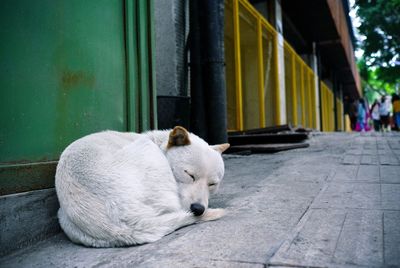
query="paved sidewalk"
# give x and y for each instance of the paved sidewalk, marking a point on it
(334, 204)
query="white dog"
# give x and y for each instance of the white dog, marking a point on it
(118, 189)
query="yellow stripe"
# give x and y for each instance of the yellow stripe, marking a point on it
(256, 14)
(310, 120)
(294, 92)
(314, 77)
(260, 75)
(238, 73)
(277, 87)
(303, 110)
(323, 106)
(249, 8)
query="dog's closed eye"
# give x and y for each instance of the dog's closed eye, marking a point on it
(212, 184)
(192, 176)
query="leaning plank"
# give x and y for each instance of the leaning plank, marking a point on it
(267, 138)
(266, 148)
(273, 129)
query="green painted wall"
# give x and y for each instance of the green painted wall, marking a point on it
(64, 74)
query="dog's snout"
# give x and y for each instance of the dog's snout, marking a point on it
(197, 209)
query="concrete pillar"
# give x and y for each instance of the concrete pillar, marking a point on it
(281, 64)
(314, 67)
(171, 29)
(171, 72)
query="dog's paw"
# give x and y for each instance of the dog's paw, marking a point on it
(213, 214)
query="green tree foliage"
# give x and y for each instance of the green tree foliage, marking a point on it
(373, 86)
(380, 24)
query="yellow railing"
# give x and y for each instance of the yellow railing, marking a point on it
(300, 90)
(339, 115)
(327, 98)
(253, 93)
(251, 67)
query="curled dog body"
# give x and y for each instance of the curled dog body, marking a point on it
(119, 189)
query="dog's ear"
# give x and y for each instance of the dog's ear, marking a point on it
(179, 136)
(220, 147)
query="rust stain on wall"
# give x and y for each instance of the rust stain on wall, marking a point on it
(70, 79)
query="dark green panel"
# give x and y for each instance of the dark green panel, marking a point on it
(153, 95)
(62, 75)
(132, 66)
(144, 66)
(27, 177)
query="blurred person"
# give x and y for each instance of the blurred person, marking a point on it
(384, 113)
(396, 111)
(361, 115)
(374, 111)
(353, 109)
(367, 121)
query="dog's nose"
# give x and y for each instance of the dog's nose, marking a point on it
(197, 209)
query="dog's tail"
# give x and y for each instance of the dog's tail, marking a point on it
(151, 229)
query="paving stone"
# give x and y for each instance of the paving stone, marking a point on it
(382, 145)
(302, 172)
(351, 159)
(391, 196)
(335, 195)
(388, 159)
(366, 196)
(315, 242)
(296, 196)
(361, 240)
(392, 237)
(249, 240)
(383, 152)
(337, 238)
(394, 145)
(369, 160)
(356, 151)
(369, 145)
(368, 174)
(345, 173)
(370, 151)
(349, 195)
(390, 174)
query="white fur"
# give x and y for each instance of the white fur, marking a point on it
(118, 189)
